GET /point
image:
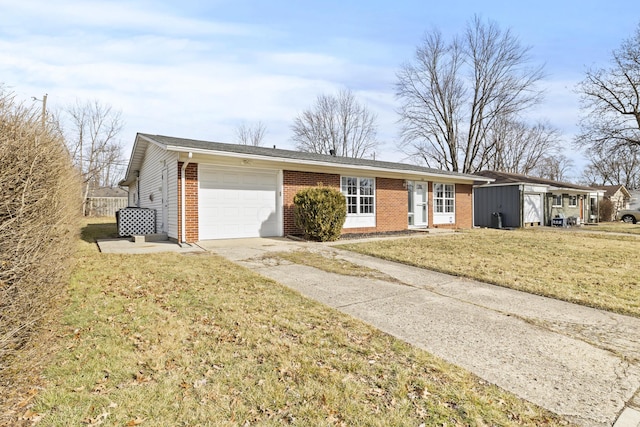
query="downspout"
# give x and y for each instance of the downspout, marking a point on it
(137, 189)
(183, 199)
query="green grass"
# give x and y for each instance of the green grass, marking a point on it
(169, 340)
(594, 269)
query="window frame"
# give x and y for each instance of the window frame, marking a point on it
(553, 200)
(440, 202)
(572, 198)
(363, 200)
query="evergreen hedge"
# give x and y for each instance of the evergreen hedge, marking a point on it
(320, 213)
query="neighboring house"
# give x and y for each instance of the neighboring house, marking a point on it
(634, 199)
(619, 197)
(105, 201)
(207, 190)
(524, 201)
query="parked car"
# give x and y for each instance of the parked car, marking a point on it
(629, 215)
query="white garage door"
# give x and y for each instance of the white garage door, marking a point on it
(236, 203)
(533, 208)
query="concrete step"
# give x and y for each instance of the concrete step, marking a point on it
(157, 237)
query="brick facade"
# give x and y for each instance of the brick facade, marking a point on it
(464, 207)
(191, 202)
(391, 201)
(293, 182)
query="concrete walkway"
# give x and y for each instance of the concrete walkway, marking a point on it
(576, 361)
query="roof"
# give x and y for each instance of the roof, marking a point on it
(611, 190)
(502, 178)
(290, 156)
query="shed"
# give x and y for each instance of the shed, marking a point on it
(525, 201)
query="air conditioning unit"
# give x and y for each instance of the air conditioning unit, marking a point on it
(136, 221)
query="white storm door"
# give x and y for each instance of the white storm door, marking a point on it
(420, 202)
(237, 202)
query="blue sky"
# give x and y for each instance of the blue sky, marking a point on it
(198, 69)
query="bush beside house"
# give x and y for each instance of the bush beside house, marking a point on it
(320, 212)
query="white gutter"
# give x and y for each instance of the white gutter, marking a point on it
(183, 198)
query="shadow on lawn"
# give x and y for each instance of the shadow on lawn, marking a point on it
(91, 232)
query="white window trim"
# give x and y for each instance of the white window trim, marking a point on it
(572, 197)
(443, 217)
(553, 200)
(360, 220)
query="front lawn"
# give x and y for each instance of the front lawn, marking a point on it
(600, 270)
(615, 227)
(167, 340)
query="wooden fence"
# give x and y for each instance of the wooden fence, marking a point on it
(105, 206)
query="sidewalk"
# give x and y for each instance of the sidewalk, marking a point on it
(576, 361)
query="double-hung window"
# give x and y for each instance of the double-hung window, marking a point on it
(360, 195)
(444, 198)
(557, 200)
(573, 200)
(444, 203)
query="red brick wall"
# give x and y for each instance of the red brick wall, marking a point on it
(391, 201)
(293, 182)
(391, 207)
(191, 202)
(464, 208)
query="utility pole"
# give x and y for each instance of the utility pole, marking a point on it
(44, 108)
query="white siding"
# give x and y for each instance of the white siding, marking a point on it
(133, 195)
(150, 182)
(172, 193)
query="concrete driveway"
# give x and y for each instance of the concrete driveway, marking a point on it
(576, 361)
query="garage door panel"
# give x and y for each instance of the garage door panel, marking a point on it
(236, 204)
(532, 208)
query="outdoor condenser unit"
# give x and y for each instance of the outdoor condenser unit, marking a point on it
(136, 221)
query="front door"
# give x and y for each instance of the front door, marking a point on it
(418, 201)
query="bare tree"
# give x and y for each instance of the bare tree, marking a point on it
(337, 123)
(553, 167)
(611, 100)
(514, 146)
(94, 144)
(455, 92)
(619, 166)
(250, 134)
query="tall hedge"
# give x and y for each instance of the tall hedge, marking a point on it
(320, 212)
(39, 211)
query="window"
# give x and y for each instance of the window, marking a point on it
(444, 198)
(557, 200)
(573, 201)
(360, 195)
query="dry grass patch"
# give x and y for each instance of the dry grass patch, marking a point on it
(597, 270)
(329, 262)
(168, 339)
(615, 227)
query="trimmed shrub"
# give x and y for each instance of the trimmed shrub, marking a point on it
(39, 212)
(606, 211)
(320, 213)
